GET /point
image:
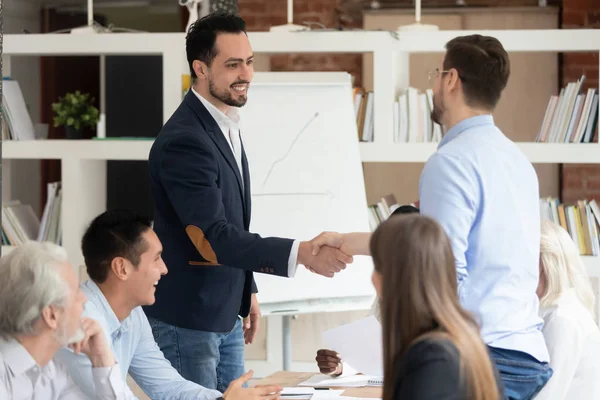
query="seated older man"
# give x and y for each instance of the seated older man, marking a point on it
(40, 312)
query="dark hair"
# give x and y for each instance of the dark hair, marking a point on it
(114, 233)
(405, 209)
(202, 36)
(419, 300)
(483, 67)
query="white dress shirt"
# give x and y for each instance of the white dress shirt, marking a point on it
(573, 340)
(21, 378)
(230, 125)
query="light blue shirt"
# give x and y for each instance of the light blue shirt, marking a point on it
(484, 192)
(136, 352)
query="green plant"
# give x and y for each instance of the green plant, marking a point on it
(75, 110)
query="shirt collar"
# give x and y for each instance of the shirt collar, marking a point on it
(232, 115)
(100, 300)
(17, 357)
(465, 124)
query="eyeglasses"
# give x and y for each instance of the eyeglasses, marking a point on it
(434, 74)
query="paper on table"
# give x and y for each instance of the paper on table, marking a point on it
(327, 394)
(360, 345)
(346, 381)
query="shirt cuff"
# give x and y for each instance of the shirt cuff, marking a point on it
(108, 381)
(293, 260)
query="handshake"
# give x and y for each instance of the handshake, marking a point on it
(326, 254)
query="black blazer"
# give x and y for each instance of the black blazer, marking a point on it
(430, 370)
(202, 216)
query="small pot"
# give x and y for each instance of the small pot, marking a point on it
(73, 133)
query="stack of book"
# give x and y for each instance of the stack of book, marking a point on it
(571, 116)
(364, 110)
(20, 223)
(580, 219)
(382, 210)
(412, 118)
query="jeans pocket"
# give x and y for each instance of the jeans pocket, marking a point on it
(522, 371)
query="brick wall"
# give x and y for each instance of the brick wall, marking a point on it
(580, 181)
(260, 15)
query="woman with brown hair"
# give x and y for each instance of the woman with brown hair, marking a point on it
(432, 347)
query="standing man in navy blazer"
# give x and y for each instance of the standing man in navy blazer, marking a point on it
(201, 189)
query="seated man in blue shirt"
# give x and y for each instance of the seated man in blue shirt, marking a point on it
(123, 259)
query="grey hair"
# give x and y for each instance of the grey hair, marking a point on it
(29, 282)
(562, 267)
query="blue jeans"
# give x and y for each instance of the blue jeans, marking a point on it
(210, 359)
(522, 375)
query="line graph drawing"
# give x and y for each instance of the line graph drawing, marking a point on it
(289, 150)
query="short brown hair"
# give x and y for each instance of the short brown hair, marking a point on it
(483, 67)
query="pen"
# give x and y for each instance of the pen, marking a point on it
(321, 388)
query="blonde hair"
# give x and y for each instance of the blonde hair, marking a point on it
(561, 267)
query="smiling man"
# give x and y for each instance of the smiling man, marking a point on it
(200, 184)
(123, 259)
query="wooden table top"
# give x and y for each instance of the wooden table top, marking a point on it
(292, 379)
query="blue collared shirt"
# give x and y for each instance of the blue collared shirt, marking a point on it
(136, 352)
(484, 192)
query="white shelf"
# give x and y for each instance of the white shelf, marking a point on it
(534, 40)
(77, 149)
(90, 44)
(559, 153)
(370, 152)
(309, 41)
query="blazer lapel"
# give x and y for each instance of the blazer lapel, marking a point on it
(213, 130)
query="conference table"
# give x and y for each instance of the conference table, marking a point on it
(292, 379)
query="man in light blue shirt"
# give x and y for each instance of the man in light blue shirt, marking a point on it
(484, 192)
(123, 259)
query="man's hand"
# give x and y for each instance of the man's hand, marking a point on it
(328, 262)
(94, 344)
(235, 391)
(252, 321)
(355, 243)
(329, 362)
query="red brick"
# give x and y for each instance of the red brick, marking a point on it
(576, 4)
(581, 58)
(573, 18)
(593, 19)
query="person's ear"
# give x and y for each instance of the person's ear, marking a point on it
(452, 80)
(50, 317)
(118, 266)
(201, 69)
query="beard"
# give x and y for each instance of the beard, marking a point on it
(225, 96)
(438, 110)
(61, 335)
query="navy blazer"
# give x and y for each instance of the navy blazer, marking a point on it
(202, 216)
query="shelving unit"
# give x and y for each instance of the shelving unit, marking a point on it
(84, 162)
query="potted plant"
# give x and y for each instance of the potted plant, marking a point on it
(75, 111)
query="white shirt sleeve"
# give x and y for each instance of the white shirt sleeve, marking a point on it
(107, 381)
(565, 345)
(293, 260)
